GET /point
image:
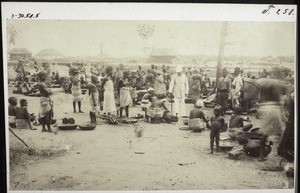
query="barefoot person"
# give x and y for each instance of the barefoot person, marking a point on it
(76, 92)
(109, 102)
(124, 92)
(93, 93)
(217, 123)
(46, 104)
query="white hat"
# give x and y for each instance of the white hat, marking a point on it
(150, 89)
(199, 103)
(179, 68)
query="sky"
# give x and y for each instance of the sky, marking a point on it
(141, 38)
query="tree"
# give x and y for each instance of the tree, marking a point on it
(223, 35)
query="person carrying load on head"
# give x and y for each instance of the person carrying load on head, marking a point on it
(197, 119)
(179, 88)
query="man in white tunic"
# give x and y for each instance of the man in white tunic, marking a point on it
(179, 87)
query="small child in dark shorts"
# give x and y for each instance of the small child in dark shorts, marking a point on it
(217, 122)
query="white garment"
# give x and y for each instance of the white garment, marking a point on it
(179, 107)
(238, 82)
(179, 86)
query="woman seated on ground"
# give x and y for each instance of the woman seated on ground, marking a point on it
(156, 111)
(23, 118)
(237, 121)
(197, 119)
(147, 99)
(26, 87)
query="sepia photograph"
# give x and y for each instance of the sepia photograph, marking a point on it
(98, 105)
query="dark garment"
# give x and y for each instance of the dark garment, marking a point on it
(287, 142)
(43, 89)
(12, 110)
(22, 113)
(214, 136)
(198, 113)
(222, 99)
(236, 121)
(148, 96)
(224, 84)
(122, 83)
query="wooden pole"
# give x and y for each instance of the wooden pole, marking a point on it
(223, 35)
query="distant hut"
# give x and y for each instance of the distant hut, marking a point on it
(48, 54)
(19, 53)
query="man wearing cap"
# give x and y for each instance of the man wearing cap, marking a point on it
(197, 118)
(179, 87)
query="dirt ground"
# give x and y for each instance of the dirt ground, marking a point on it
(112, 157)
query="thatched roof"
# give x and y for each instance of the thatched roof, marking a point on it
(49, 52)
(19, 51)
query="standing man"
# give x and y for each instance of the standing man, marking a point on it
(223, 88)
(179, 87)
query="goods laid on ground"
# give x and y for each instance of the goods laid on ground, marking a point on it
(252, 148)
(235, 154)
(67, 127)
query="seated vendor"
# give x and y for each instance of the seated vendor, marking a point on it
(197, 119)
(23, 118)
(147, 99)
(157, 110)
(26, 87)
(237, 121)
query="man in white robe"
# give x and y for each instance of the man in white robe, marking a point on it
(179, 87)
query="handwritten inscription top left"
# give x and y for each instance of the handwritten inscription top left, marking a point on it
(25, 16)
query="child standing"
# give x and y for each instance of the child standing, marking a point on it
(217, 123)
(93, 93)
(76, 92)
(12, 111)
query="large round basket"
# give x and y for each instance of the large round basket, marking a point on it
(87, 127)
(67, 127)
